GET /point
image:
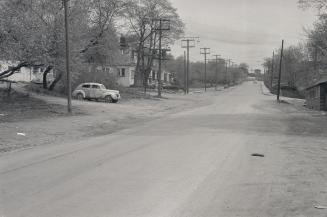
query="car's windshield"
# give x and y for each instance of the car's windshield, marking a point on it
(102, 87)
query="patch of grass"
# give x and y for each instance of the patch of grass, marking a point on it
(37, 88)
(20, 106)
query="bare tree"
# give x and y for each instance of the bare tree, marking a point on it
(142, 19)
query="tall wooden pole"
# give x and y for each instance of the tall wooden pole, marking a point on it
(272, 71)
(160, 59)
(69, 87)
(188, 67)
(280, 71)
(185, 74)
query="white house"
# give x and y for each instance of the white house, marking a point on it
(25, 74)
(125, 67)
(125, 75)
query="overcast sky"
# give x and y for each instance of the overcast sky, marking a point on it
(243, 30)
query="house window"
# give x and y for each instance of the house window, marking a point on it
(314, 92)
(35, 70)
(122, 72)
(165, 77)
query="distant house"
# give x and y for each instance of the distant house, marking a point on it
(166, 78)
(125, 75)
(125, 66)
(316, 95)
(25, 74)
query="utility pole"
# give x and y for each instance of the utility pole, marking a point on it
(205, 51)
(160, 29)
(272, 71)
(280, 71)
(228, 61)
(160, 57)
(185, 74)
(143, 69)
(216, 59)
(188, 42)
(69, 85)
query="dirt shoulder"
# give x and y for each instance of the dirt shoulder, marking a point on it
(36, 119)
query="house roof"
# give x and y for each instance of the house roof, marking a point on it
(318, 82)
(123, 60)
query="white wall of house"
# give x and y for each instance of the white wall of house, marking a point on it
(125, 75)
(165, 77)
(25, 74)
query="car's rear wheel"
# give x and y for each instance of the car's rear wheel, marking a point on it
(108, 99)
(80, 96)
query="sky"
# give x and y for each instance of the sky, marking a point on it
(242, 30)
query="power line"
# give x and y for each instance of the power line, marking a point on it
(280, 70)
(205, 51)
(216, 59)
(69, 85)
(272, 70)
(188, 42)
(164, 25)
(227, 61)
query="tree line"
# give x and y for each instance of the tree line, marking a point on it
(220, 72)
(32, 33)
(305, 63)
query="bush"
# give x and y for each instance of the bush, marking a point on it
(172, 87)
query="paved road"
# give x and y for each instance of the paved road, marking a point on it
(196, 163)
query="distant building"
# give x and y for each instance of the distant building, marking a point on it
(258, 74)
(125, 66)
(316, 95)
(25, 74)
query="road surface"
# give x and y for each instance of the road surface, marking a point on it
(196, 163)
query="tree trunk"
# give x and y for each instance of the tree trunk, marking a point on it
(9, 89)
(45, 73)
(138, 75)
(11, 71)
(54, 83)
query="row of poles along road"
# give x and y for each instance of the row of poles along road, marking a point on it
(189, 42)
(279, 72)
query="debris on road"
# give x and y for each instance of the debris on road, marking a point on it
(320, 207)
(257, 155)
(21, 134)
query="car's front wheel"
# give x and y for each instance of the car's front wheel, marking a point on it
(80, 96)
(114, 100)
(108, 99)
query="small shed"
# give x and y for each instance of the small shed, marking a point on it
(316, 95)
